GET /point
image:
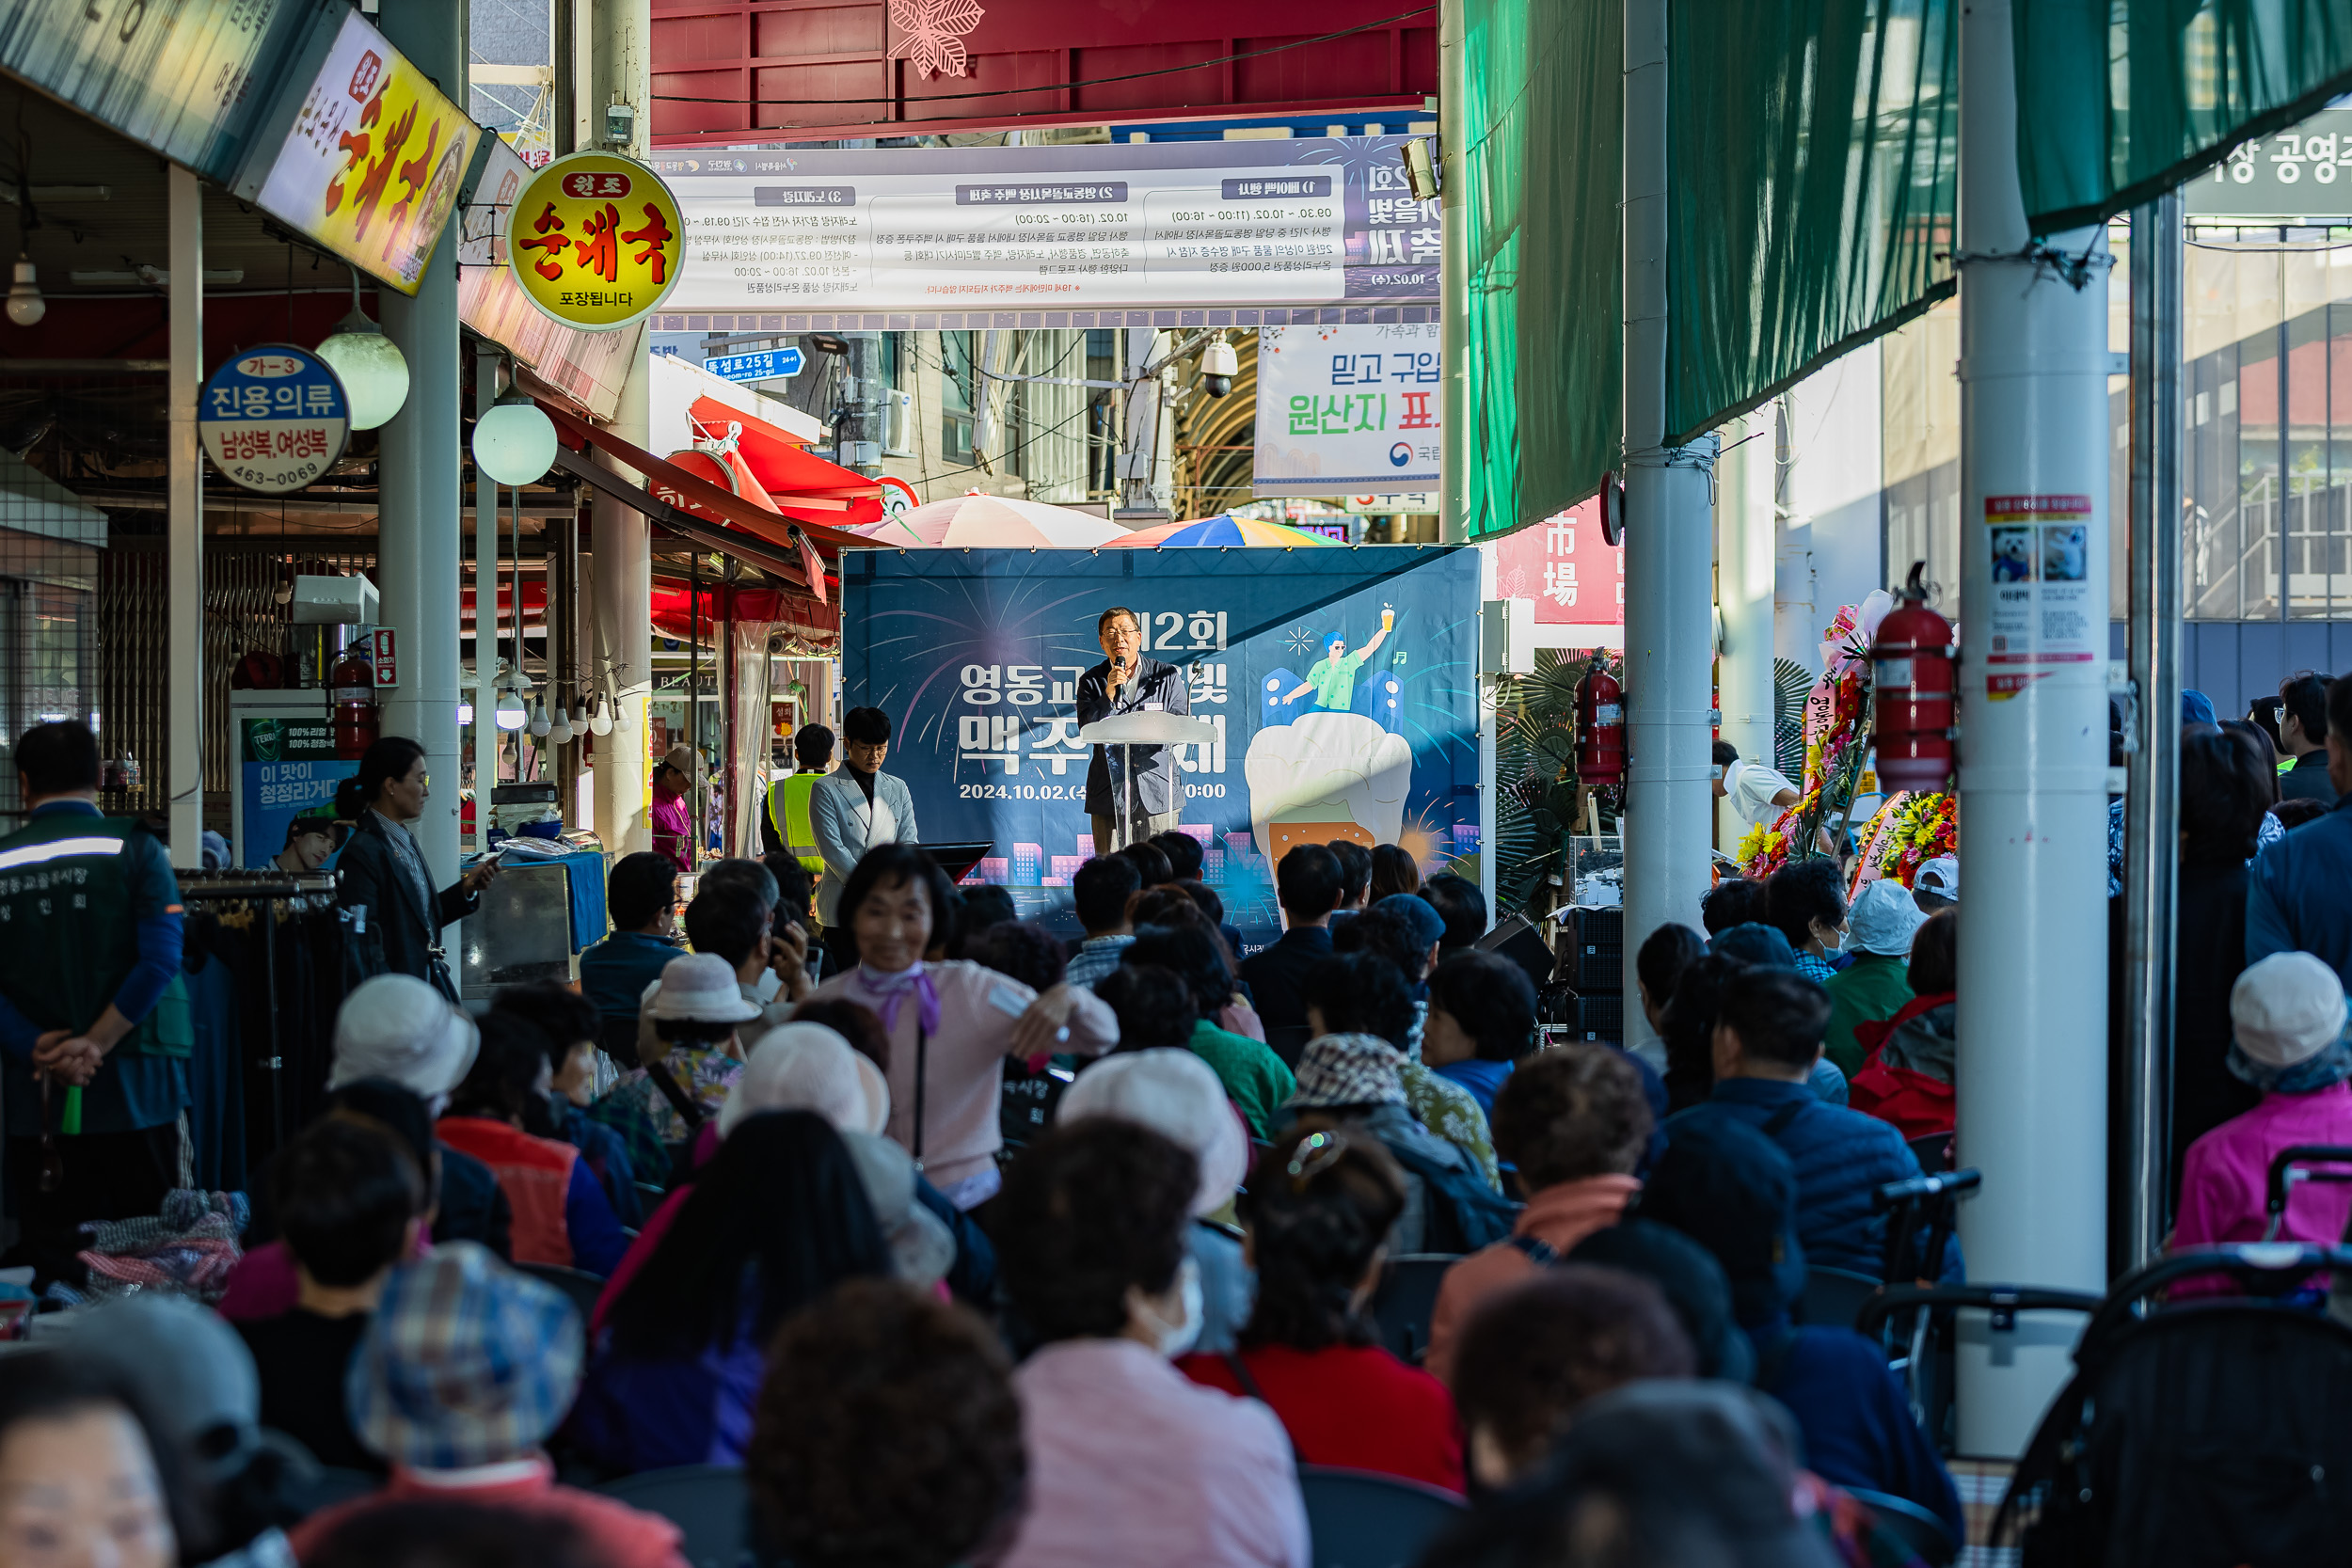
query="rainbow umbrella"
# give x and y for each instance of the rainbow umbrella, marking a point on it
(1223, 529)
(974, 521)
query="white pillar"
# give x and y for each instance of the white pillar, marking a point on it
(418, 522)
(623, 569)
(1453, 517)
(486, 612)
(184, 480)
(2033, 1076)
(1668, 812)
(1745, 541)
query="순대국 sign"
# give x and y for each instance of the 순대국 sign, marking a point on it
(595, 241)
(273, 418)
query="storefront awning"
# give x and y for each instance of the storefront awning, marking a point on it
(791, 567)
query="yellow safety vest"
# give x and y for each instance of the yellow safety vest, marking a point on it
(789, 814)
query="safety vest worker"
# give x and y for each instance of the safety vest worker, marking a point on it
(95, 1031)
(789, 820)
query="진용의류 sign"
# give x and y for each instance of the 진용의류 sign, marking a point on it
(597, 241)
(371, 166)
(273, 418)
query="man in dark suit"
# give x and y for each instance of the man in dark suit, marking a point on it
(1307, 883)
(1126, 682)
(382, 866)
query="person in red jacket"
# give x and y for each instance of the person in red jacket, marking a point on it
(1908, 1061)
(1318, 1208)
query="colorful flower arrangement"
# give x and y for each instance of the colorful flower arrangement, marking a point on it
(1918, 828)
(1836, 738)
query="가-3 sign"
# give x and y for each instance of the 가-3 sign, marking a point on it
(597, 241)
(273, 418)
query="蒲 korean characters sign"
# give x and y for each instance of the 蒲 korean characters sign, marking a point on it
(372, 165)
(1345, 408)
(1570, 570)
(597, 241)
(273, 418)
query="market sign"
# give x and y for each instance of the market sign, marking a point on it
(178, 78)
(372, 165)
(2304, 171)
(597, 241)
(1343, 409)
(273, 418)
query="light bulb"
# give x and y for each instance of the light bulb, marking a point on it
(600, 721)
(539, 724)
(464, 714)
(370, 367)
(580, 714)
(512, 713)
(559, 732)
(26, 306)
(515, 442)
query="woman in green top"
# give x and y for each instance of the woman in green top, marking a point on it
(1254, 1077)
(1877, 984)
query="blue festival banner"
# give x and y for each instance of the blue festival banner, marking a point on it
(975, 656)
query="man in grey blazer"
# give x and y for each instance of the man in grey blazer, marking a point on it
(1126, 682)
(856, 807)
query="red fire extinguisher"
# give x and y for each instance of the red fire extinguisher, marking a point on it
(1600, 727)
(352, 683)
(1912, 660)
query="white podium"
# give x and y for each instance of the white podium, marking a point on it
(1127, 731)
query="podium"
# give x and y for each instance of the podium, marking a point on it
(1127, 731)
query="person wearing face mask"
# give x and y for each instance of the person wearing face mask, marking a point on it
(951, 1023)
(1130, 1462)
(1767, 1035)
(1806, 901)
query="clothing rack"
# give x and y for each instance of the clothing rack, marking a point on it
(270, 887)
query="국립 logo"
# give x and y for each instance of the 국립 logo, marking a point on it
(1399, 454)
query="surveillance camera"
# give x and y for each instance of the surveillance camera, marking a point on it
(1218, 366)
(1218, 386)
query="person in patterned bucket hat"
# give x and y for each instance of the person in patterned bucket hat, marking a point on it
(466, 1369)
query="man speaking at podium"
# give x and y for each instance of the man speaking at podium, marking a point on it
(1126, 682)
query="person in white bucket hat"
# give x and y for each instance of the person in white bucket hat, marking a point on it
(2287, 1018)
(1880, 927)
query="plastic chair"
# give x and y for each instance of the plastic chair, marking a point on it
(1834, 1297)
(1915, 1526)
(1363, 1519)
(707, 1502)
(1406, 1297)
(581, 1286)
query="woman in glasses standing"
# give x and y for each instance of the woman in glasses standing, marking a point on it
(383, 867)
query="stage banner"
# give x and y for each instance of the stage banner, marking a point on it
(1342, 684)
(1317, 220)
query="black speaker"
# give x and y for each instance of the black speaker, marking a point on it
(1518, 940)
(1598, 962)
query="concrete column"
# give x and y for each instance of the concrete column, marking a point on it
(2033, 1067)
(485, 619)
(421, 462)
(1668, 635)
(1453, 517)
(1746, 540)
(622, 67)
(184, 482)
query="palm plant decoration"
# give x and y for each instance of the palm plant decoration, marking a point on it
(1535, 778)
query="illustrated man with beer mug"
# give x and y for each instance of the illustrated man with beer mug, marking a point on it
(1126, 682)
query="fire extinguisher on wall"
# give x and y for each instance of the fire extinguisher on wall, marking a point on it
(1600, 727)
(1913, 664)
(352, 685)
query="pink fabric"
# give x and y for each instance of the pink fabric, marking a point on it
(965, 1072)
(657, 1226)
(1559, 1216)
(2225, 1178)
(624, 1537)
(263, 1283)
(672, 826)
(1131, 1463)
(1240, 1018)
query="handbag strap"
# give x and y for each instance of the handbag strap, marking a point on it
(679, 1101)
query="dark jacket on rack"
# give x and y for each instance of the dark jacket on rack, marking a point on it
(376, 872)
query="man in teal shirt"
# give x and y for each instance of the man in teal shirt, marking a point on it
(94, 1026)
(1333, 678)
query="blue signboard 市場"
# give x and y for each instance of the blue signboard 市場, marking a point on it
(767, 365)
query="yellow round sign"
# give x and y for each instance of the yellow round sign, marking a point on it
(597, 241)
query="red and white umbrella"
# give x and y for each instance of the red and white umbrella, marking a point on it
(975, 521)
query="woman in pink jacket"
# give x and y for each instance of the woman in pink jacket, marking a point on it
(951, 1025)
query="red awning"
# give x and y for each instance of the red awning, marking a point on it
(787, 469)
(676, 609)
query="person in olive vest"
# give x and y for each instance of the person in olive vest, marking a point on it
(790, 824)
(94, 1025)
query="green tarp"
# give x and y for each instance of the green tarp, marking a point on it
(2119, 101)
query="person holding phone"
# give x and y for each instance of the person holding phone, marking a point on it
(1126, 682)
(383, 867)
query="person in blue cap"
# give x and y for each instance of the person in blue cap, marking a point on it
(1332, 678)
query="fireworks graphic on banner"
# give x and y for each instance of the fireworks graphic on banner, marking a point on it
(1300, 640)
(935, 31)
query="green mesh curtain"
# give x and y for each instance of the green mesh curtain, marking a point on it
(1816, 167)
(2121, 99)
(1542, 122)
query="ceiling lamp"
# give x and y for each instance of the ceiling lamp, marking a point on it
(369, 365)
(600, 721)
(512, 713)
(513, 442)
(539, 721)
(26, 306)
(559, 732)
